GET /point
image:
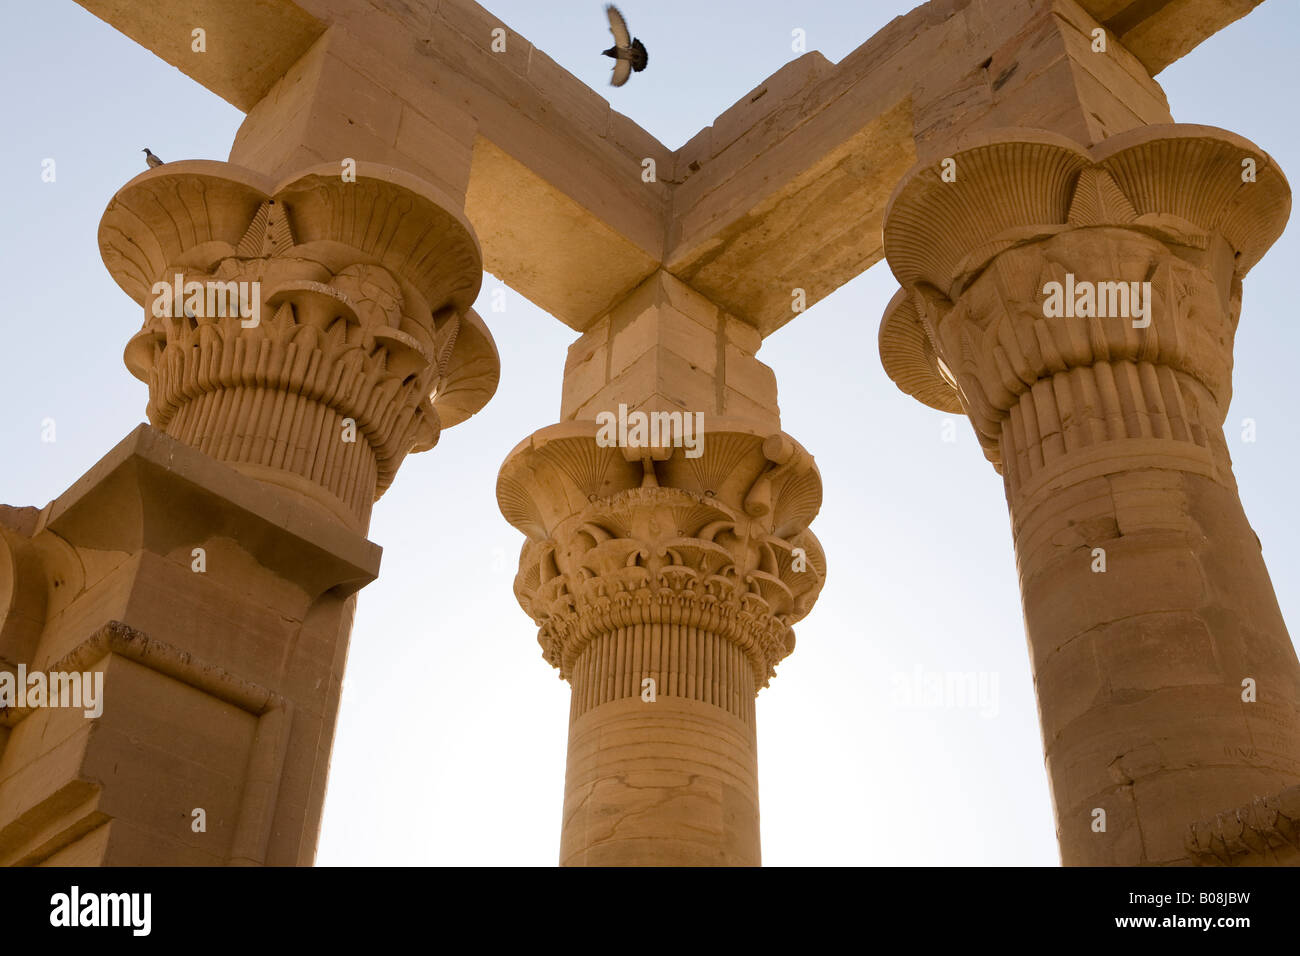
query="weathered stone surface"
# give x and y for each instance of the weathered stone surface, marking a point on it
(682, 562)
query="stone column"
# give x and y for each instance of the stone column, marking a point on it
(207, 567)
(1079, 306)
(665, 573)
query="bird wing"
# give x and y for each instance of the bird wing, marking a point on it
(618, 27)
(622, 70)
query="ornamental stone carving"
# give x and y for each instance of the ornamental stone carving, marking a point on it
(707, 561)
(1150, 233)
(310, 334)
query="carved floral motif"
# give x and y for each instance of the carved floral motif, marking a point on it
(720, 544)
(362, 344)
(1168, 208)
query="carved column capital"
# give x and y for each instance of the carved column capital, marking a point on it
(718, 542)
(356, 343)
(1064, 297)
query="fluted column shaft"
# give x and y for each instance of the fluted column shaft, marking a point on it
(673, 781)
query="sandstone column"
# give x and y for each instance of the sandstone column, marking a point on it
(664, 576)
(1146, 600)
(208, 565)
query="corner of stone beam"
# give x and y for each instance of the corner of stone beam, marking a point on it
(154, 493)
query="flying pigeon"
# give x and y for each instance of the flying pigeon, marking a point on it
(628, 54)
(153, 161)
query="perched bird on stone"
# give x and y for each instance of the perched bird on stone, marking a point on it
(628, 54)
(153, 161)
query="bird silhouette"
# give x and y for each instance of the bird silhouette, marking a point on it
(153, 161)
(628, 54)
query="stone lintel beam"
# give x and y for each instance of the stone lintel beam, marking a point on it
(1158, 32)
(249, 45)
(418, 85)
(788, 188)
(432, 97)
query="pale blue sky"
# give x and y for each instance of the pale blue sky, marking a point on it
(451, 739)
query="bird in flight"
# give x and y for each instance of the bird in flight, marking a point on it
(153, 161)
(628, 54)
